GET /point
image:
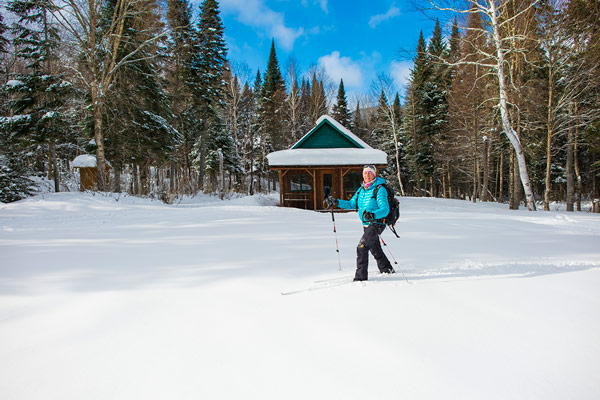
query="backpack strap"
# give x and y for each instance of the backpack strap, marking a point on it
(377, 190)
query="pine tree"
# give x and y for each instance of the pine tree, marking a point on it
(246, 135)
(434, 107)
(414, 121)
(209, 57)
(180, 83)
(305, 101)
(359, 125)
(273, 101)
(318, 100)
(14, 176)
(4, 43)
(3, 40)
(380, 135)
(14, 172)
(39, 93)
(260, 144)
(340, 109)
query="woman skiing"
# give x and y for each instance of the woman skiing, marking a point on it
(371, 211)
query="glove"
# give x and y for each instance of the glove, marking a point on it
(368, 216)
(330, 202)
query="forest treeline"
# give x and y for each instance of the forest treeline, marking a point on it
(503, 107)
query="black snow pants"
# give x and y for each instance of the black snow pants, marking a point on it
(370, 242)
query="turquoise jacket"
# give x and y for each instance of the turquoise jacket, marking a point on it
(364, 201)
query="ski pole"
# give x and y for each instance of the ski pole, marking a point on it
(390, 251)
(337, 248)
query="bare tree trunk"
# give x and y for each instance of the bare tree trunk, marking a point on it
(449, 181)
(414, 134)
(53, 172)
(135, 183)
(576, 161)
(515, 197)
(116, 186)
(549, 140)
(569, 167)
(486, 170)
(501, 182)
(99, 138)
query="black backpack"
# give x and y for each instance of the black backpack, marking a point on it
(392, 217)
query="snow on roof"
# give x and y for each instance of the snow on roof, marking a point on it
(342, 156)
(84, 161)
(14, 83)
(328, 156)
(338, 126)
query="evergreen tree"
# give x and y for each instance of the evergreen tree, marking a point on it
(273, 101)
(340, 109)
(14, 176)
(3, 40)
(260, 144)
(305, 116)
(180, 82)
(247, 134)
(318, 101)
(359, 125)
(39, 92)
(454, 48)
(4, 56)
(434, 105)
(209, 57)
(381, 133)
(414, 122)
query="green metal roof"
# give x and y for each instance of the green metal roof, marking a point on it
(326, 136)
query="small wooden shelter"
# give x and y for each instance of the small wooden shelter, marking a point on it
(87, 171)
(328, 160)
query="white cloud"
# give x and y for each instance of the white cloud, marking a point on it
(377, 19)
(256, 14)
(323, 4)
(342, 68)
(400, 73)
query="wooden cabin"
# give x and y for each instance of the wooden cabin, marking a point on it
(88, 175)
(328, 160)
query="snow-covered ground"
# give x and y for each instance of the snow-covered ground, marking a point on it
(106, 297)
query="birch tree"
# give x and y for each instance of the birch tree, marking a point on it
(497, 18)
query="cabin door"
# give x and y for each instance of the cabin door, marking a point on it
(327, 185)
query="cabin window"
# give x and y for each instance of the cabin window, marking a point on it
(351, 183)
(301, 183)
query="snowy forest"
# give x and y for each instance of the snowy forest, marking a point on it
(503, 102)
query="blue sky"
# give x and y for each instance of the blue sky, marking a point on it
(351, 39)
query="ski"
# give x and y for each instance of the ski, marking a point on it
(320, 287)
(342, 281)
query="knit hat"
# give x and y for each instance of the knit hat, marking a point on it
(371, 169)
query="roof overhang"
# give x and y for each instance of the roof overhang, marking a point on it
(324, 157)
